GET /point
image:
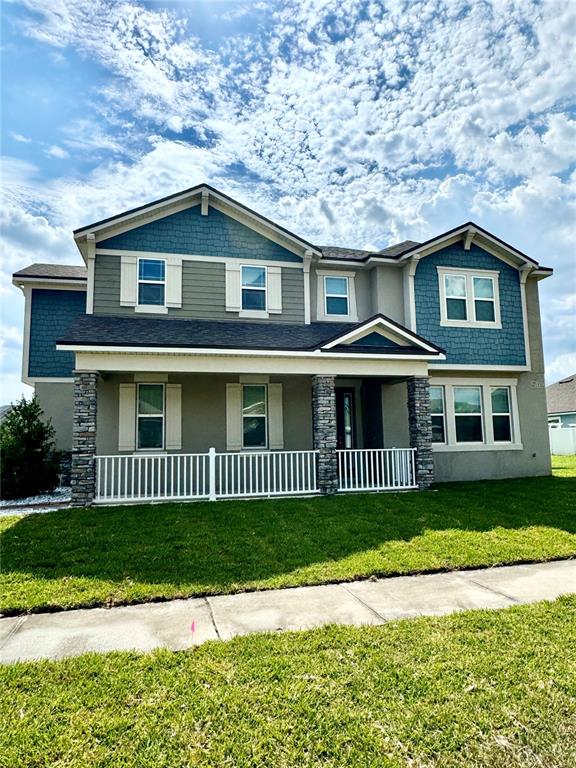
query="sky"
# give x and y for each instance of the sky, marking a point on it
(349, 122)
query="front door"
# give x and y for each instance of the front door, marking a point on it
(345, 421)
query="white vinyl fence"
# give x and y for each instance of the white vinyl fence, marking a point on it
(212, 475)
(562, 441)
(377, 469)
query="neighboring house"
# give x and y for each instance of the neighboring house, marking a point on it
(561, 402)
(205, 351)
(4, 411)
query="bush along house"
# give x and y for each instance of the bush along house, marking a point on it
(203, 351)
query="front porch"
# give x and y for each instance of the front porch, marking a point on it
(222, 436)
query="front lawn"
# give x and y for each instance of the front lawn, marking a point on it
(106, 556)
(478, 689)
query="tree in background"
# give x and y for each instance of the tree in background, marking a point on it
(29, 461)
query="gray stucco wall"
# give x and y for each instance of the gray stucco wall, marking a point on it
(388, 292)
(203, 291)
(204, 411)
(57, 402)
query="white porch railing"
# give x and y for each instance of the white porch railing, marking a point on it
(168, 477)
(376, 469)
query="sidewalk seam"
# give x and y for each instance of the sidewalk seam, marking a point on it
(13, 631)
(211, 612)
(493, 591)
(365, 604)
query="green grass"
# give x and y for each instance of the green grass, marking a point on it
(116, 555)
(472, 690)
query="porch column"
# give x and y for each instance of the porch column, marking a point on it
(84, 438)
(324, 425)
(420, 427)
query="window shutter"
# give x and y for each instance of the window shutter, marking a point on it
(173, 417)
(127, 417)
(233, 417)
(128, 281)
(174, 282)
(233, 289)
(275, 417)
(275, 290)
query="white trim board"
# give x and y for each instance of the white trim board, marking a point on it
(388, 329)
(195, 257)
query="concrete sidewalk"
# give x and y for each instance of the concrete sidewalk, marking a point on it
(180, 624)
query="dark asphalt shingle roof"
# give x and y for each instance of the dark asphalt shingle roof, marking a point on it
(561, 397)
(113, 331)
(354, 254)
(59, 271)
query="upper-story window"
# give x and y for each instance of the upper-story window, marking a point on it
(151, 282)
(469, 298)
(336, 296)
(254, 289)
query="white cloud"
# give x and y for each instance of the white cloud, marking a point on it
(561, 367)
(351, 122)
(19, 137)
(57, 152)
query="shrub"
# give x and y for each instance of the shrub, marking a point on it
(29, 461)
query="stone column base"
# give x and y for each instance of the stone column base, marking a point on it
(324, 425)
(83, 471)
(420, 427)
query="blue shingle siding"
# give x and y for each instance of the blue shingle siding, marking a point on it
(471, 346)
(52, 313)
(191, 233)
(374, 340)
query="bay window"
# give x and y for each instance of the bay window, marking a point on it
(468, 414)
(437, 409)
(501, 414)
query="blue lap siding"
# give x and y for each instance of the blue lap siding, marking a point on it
(471, 346)
(191, 233)
(52, 313)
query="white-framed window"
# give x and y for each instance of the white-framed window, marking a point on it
(152, 282)
(472, 414)
(150, 416)
(468, 414)
(501, 414)
(469, 298)
(336, 296)
(254, 416)
(254, 288)
(438, 412)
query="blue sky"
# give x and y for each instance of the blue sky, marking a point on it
(352, 123)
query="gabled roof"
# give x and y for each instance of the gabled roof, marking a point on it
(104, 331)
(52, 272)
(194, 195)
(561, 397)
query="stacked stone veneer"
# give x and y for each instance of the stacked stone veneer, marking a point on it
(83, 474)
(324, 426)
(420, 427)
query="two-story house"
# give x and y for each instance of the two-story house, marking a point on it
(204, 351)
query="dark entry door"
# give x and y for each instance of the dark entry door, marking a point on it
(345, 418)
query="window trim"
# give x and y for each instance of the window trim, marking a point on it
(321, 313)
(488, 443)
(149, 415)
(153, 308)
(442, 388)
(266, 416)
(255, 313)
(507, 413)
(469, 275)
